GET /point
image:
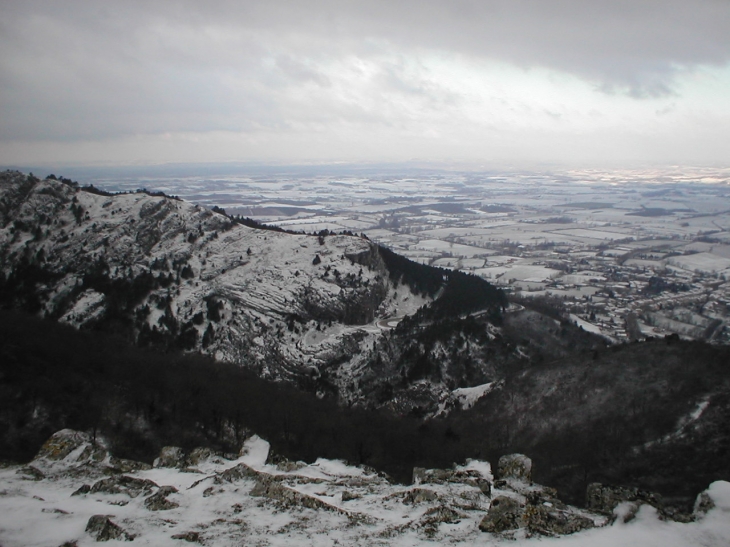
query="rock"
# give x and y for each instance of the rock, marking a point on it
(515, 466)
(83, 489)
(170, 456)
(236, 473)
(703, 504)
(290, 466)
(123, 484)
(120, 465)
(604, 499)
(435, 516)
(267, 487)
(192, 537)
(717, 497)
(504, 514)
(31, 473)
(455, 476)
(199, 455)
(419, 495)
(61, 444)
(101, 528)
(549, 520)
(349, 496)
(159, 502)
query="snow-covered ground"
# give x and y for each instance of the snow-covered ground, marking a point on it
(245, 501)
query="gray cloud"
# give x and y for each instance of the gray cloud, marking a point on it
(94, 70)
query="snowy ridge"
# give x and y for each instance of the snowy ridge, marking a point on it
(283, 304)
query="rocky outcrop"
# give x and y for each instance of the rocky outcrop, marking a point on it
(445, 476)
(159, 502)
(131, 486)
(356, 503)
(190, 537)
(170, 456)
(505, 513)
(101, 528)
(514, 466)
(605, 499)
(67, 442)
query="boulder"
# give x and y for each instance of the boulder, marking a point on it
(170, 456)
(504, 514)
(349, 496)
(703, 504)
(605, 498)
(191, 537)
(470, 477)
(123, 484)
(515, 466)
(419, 495)
(548, 519)
(79, 446)
(101, 528)
(31, 473)
(717, 496)
(120, 465)
(433, 517)
(61, 444)
(159, 502)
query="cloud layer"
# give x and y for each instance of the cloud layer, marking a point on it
(338, 78)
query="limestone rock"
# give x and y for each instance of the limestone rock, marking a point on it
(349, 496)
(419, 495)
(31, 473)
(159, 502)
(120, 465)
(200, 455)
(515, 466)
(191, 537)
(123, 484)
(703, 504)
(550, 520)
(717, 497)
(459, 476)
(170, 456)
(83, 489)
(67, 443)
(605, 498)
(61, 444)
(504, 514)
(101, 528)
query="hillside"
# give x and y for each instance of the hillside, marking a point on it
(173, 275)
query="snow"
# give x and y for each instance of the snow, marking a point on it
(227, 511)
(255, 451)
(589, 327)
(468, 396)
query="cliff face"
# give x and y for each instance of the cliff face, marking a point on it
(163, 271)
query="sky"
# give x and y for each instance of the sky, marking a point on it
(472, 82)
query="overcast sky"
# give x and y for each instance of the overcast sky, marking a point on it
(475, 81)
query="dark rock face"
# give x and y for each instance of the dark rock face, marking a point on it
(101, 528)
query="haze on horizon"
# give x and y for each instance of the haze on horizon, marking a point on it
(475, 82)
